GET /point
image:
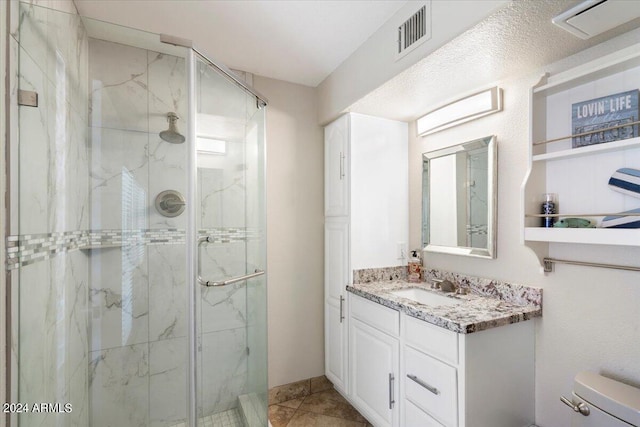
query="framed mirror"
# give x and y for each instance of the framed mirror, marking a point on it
(459, 199)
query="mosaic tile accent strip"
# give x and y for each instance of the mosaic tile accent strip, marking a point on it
(368, 275)
(30, 248)
(26, 249)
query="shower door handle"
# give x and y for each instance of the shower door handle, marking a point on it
(210, 283)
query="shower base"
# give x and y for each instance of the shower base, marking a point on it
(230, 418)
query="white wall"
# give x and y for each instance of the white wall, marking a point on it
(295, 241)
(374, 62)
(378, 165)
(590, 315)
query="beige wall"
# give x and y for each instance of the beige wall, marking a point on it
(295, 218)
(590, 317)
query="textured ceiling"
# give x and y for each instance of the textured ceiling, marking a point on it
(297, 41)
(516, 39)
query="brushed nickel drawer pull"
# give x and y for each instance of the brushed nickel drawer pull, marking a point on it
(392, 399)
(432, 389)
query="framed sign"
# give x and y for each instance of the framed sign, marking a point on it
(601, 120)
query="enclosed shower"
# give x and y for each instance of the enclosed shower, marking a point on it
(137, 241)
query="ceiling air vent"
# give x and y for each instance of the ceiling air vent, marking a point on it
(415, 30)
(593, 17)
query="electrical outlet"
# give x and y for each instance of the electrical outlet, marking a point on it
(402, 251)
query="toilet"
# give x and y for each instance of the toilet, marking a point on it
(602, 402)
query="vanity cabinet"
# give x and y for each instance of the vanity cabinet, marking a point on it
(374, 354)
(579, 176)
(366, 217)
(407, 372)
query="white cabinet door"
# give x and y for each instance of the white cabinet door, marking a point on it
(336, 167)
(414, 417)
(373, 367)
(336, 232)
(431, 385)
(335, 345)
(336, 258)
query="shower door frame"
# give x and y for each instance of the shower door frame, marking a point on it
(5, 121)
(191, 240)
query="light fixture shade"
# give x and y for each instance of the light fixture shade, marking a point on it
(469, 108)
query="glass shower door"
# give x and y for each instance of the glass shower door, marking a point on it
(106, 313)
(231, 318)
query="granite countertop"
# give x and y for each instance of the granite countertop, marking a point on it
(475, 313)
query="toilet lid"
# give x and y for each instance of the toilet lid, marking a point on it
(618, 399)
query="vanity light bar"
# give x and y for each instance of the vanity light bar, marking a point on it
(463, 110)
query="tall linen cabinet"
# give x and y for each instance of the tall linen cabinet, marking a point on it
(366, 217)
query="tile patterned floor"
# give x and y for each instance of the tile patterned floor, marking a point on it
(312, 403)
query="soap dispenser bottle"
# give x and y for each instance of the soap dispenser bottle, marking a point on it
(414, 268)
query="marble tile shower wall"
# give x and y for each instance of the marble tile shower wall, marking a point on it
(138, 292)
(51, 335)
(223, 322)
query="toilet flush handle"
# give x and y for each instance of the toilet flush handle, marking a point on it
(580, 407)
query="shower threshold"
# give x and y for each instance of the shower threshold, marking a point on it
(247, 414)
(229, 418)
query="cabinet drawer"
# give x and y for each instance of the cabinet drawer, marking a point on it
(433, 387)
(438, 342)
(374, 314)
(414, 416)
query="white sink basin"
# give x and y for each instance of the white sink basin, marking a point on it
(425, 297)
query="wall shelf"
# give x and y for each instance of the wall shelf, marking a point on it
(578, 176)
(608, 147)
(591, 236)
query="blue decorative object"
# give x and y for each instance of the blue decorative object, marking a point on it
(626, 181)
(603, 113)
(615, 221)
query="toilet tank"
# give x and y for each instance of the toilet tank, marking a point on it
(611, 403)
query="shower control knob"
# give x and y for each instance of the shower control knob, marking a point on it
(170, 203)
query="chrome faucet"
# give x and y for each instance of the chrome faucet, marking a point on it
(448, 286)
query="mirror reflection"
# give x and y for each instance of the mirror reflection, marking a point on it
(458, 193)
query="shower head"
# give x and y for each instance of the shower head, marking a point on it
(172, 135)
